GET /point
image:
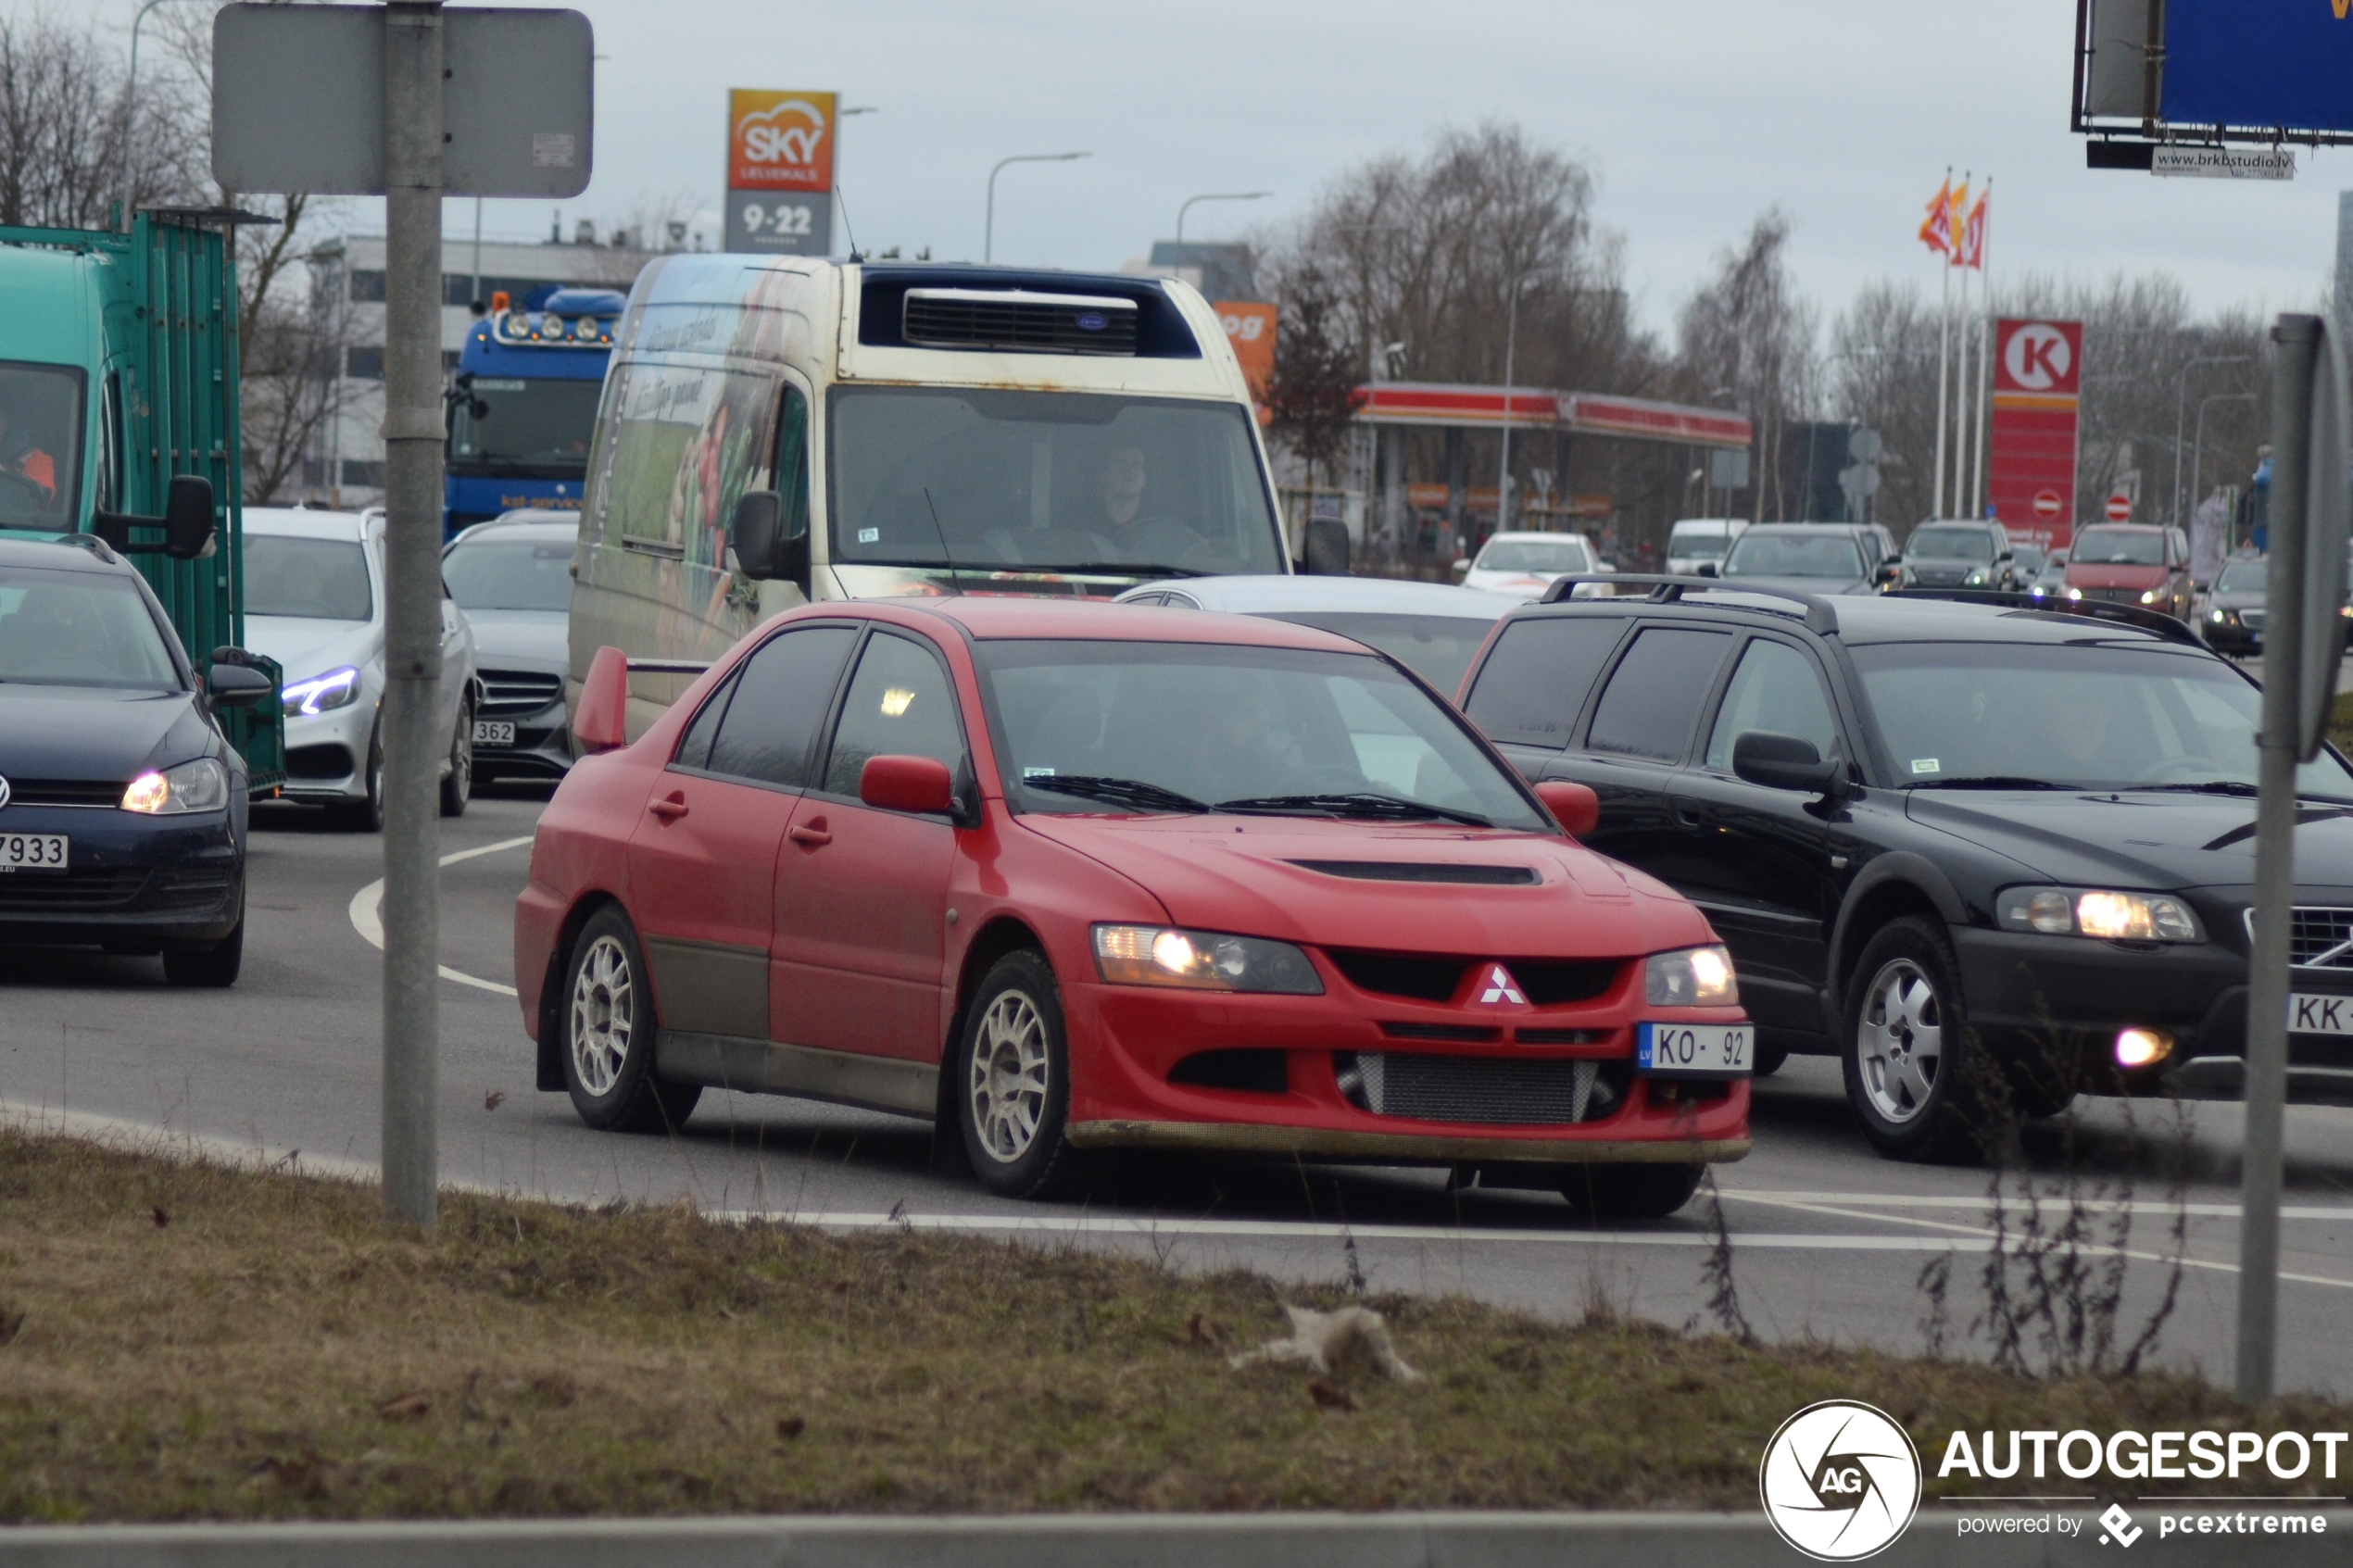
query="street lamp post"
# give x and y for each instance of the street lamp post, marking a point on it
(1511, 343)
(989, 232)
(2181, 411)
(131, 107)
(1210, 197)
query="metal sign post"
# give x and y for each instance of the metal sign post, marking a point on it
(414, 102)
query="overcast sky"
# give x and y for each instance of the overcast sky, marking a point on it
(1695, 115)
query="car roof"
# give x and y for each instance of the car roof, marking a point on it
(1849, 529)
(533, 524)
(1273, 595)
(300, 522)
(53, 555)
(1527, 536)
(992, 619)
(1862, 620)
(2121, 528)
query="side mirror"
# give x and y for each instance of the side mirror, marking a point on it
(1575, 807)
(600, 722)
(1892, 572)
(1760, 757)
(1707, 569)
(1461, 568)
(907, 783)
(187, 517)
(237, 686)
(1326, 548)
(763, 551)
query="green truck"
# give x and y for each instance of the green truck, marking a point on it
(118, 418)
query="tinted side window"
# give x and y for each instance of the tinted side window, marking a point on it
(694, 749)
(899, 705)
(1775, 689)
(1655, 693)
(780, 699)
(1533, 685)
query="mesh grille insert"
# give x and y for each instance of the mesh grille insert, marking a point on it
(1492, 1090)
(1011, 320)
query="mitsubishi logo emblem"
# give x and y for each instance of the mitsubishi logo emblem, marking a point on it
(1501, 989)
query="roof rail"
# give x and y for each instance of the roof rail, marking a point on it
(1820, 617)
(2155, 620)
(92, 542)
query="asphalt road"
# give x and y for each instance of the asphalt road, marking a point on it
(1827, 1239)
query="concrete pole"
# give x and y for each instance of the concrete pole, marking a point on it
(412, 630)
(2300, 342)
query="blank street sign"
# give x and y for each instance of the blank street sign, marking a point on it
(298, 100)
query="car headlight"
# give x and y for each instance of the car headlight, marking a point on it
(2116, 917)
(336, 688)
(2075, 592)
(1202, 961)
(2149, 597)
(1696, 977)
(1974, 579)
(200, 786)
(2220, 617)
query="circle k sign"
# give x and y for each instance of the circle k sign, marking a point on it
(2040, 356)
(1841, 1480)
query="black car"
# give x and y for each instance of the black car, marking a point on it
(1814, 558)
(1963, 554)
(1940, 834)
(2232, 618)
(122, 808)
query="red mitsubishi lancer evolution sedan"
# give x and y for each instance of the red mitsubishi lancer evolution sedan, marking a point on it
(1064, 877)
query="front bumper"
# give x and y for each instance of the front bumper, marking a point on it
(543, 741)
(132, 882)
(1131, 1046)
(327, 753)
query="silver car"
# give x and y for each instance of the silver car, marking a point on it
(314, 592)
(1430, 628)
(513, 577)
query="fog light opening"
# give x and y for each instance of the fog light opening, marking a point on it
(2136, 1049)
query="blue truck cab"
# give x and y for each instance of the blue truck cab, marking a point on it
(522, 406)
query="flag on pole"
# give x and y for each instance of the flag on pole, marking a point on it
(1956, 222)
(1971, 252)
(1937, 233)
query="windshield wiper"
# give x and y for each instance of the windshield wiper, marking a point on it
(1117, 569)
(1117, 792)
(1362, 803)
(2211, 786)
(1993, 781)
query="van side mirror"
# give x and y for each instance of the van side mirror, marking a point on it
(1760, 757)
(763, 551)
(600, 723)
(187, 517)
(1326, 548)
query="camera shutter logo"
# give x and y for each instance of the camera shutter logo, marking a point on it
(1841, 1481)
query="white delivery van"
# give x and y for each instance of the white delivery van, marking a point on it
(775, 430)
(1697, 539)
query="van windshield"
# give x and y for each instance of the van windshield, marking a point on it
(968, 478)
(40, 447)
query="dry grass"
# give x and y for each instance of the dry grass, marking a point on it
(183, 1341)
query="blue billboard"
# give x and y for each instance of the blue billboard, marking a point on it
(2259, 63)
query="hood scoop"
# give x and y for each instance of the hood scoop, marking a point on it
(1424, 871)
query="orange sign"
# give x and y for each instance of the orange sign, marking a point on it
(1251, 329)
(780, 141)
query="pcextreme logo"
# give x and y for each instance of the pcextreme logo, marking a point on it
(780, 141)
(1841, 1480)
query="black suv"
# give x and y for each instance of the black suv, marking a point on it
(1963, 554)
(1940, 834)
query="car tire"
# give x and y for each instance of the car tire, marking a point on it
(1904, 1010)
(606, 1014)
(1631, 1192)
(213, 967)
(367, 813)
(1769, 1060)
(457, 785)
(1012, 1081)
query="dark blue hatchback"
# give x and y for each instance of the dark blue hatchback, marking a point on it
(122, 806)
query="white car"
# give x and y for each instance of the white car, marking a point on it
(1527, 564)
(1697, 539)
(1430, 628)
(314, 592)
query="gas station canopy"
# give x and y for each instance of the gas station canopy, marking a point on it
(1439, 406)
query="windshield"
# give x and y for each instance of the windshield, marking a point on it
(40, 447)
(1071, 481)
(2028, 560)
(2120, 547)
(2071, 715)
(318, 579)
(1436, 647)
(540, 425)
(509, 574)
(1972, 545)
(1705, 543)
(1181, 726)
(1796, 555)
(81, 629)
(2243, 576)
(1535, 555)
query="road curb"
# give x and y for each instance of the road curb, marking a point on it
(1230, 1540)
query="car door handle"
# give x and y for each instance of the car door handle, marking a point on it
(1686, 814)
(669, 808)
(810, 834)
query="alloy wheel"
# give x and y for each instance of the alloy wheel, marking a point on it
(1008, 1085)
(1899, 1041)
(603, 1015)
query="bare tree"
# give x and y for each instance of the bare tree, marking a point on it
(1312, 393)
(1746, 335)
(63, 118)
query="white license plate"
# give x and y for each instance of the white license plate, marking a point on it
(32, 851)
(494, 731)
(2319, 1013)
(1695, 1051)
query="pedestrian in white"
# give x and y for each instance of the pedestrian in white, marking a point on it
(2210, 538)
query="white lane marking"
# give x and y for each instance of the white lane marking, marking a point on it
(2049, 1200)
(366, 914)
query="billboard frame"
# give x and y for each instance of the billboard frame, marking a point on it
(2130, 140)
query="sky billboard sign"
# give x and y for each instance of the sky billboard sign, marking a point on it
(780, 171)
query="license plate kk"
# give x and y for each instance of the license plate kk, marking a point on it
(32, 851)
(2313, 1013)
(1695, 1051)
(494, 731)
